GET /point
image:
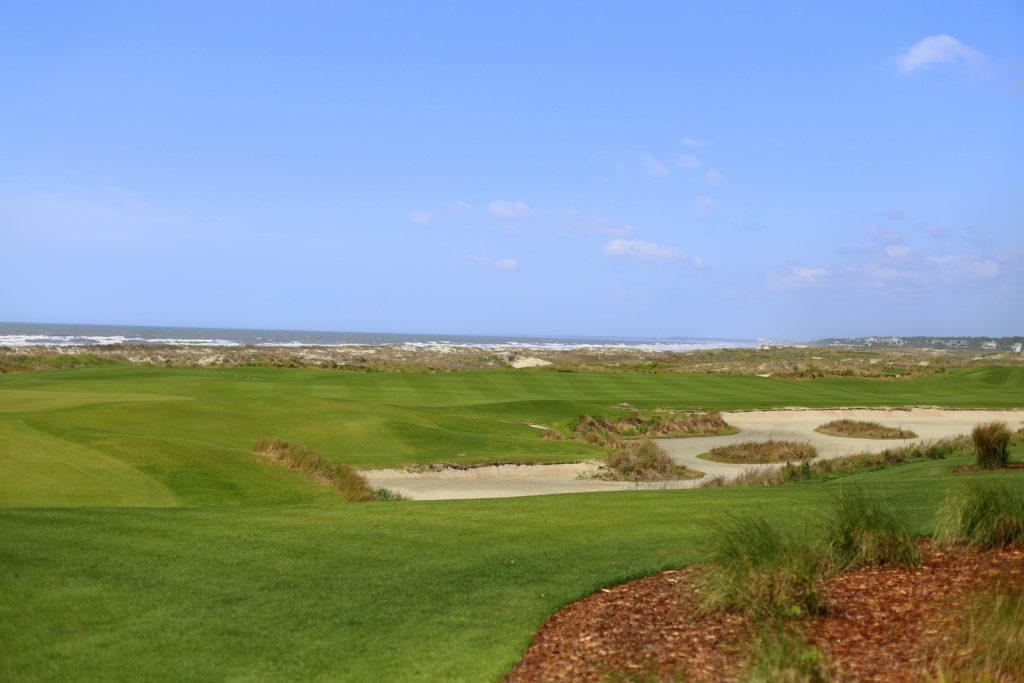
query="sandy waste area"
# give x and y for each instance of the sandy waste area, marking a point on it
(501, 481)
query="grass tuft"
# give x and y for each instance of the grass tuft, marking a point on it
(643, 460)
(988, 643)
(338, 476)
(862, 429)
(982, 517)
(779, 656)
(758, 570)
(761, 452)
(868, 533)
(992, 444)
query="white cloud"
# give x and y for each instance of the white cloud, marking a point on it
(688, 161)
(460, 206)
(796, 277)
(702, 205)
(898, 252)
(580, 223)
(500, 264)
(420, 216)
(693, 143)
(714, 177)
(508, 209)
(648, 251)
(941, 49)
(655, 167)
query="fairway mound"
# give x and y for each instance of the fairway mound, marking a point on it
(881, 624)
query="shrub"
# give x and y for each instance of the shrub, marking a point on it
(759, 452)
(983, 517)
(338, 476)
(862, 429)
(868, 533)
(988, 642)
(782, 657)
(757, 570)
(642, 460)
(991, 444)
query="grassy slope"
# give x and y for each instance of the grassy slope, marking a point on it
(403, 591)
(265, 575)
(386, 420)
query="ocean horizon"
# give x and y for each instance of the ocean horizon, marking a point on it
(74, 334)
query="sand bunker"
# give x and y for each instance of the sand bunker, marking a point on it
(795, 424)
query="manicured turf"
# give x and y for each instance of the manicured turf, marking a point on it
(166, 423)
(261, 574)
(397, 591)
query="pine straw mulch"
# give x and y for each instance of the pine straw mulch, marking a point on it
(884, 624)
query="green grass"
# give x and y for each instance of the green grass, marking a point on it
(260, 573)
(406, 591)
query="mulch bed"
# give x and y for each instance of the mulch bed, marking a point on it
(975, 468)
(883, 624)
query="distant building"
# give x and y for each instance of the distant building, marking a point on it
(1016, 348)
(989, 345)
(957, 344)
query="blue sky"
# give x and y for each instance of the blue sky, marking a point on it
(791, 170)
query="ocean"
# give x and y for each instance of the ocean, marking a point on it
(56, 334)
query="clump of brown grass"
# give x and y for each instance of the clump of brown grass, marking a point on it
(862, 429)
(643, 460)
(671, 425)
(660, 424)
(992, 444)
(595, 430)
(761, 452)
(338, 476)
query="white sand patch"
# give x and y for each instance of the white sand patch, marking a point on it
(794, 424)
(528, 362)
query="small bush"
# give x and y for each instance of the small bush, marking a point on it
(868, 533)
(642, 460)
(383, 494)
(861, 429)
(992, 444)
(757, 570)
(983, 517)
(760, 452)
(988, 642)
(338, 476)
(782, 657)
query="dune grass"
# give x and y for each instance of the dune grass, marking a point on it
(988, 643)
(867, 533)
(983, 516)
(992, 444)
(762, 570)
(643, 460)
(863, 429)
(338, 476)
(762, 452)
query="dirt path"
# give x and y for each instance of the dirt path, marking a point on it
(793, 424)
